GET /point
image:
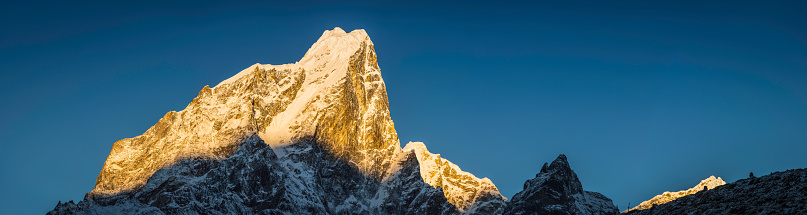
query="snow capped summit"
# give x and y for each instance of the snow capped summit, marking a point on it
(336, 41)
(709, 183)
(316, 137)
(336, 30)
(334, 95)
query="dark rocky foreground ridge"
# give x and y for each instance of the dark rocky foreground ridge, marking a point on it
(777, 193)
(308, 180)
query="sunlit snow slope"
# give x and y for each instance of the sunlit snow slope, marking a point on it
(709, 183)
(462, 189)
(335, 93)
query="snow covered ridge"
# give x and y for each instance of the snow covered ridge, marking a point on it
(462, 189)
(334, 94)
(778, 193)
(304, 178)
(254, 180)
(709, 183)
(316, 137)
(335, 91)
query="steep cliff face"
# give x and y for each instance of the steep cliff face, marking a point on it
(557, 190)
(463, 189)
(333, 97)
(335, 91)
(709, 183)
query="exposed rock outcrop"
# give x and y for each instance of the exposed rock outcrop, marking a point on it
(336, 88)
(313, 137)
(332, 101)
(463, 189)
(709, 183)
(557, 190)
(307, 180)
(777, 193)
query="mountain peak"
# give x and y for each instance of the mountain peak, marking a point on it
(336, 30)
(334, 98)
(339, 34)
(559, 163)
(335, 46)
(560, 169)
(557, 190)
(334, 94)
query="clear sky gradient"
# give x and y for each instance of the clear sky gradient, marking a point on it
(642, 97)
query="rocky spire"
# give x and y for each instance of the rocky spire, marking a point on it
(557, 190)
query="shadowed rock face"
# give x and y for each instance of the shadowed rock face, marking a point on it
(557, 190)
(209, 127)
(777, 193)
(464, 190)
(333, 97)
(306, 180)
(335, 91)
(313, 137)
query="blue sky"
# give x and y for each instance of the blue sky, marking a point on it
(643, 97)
